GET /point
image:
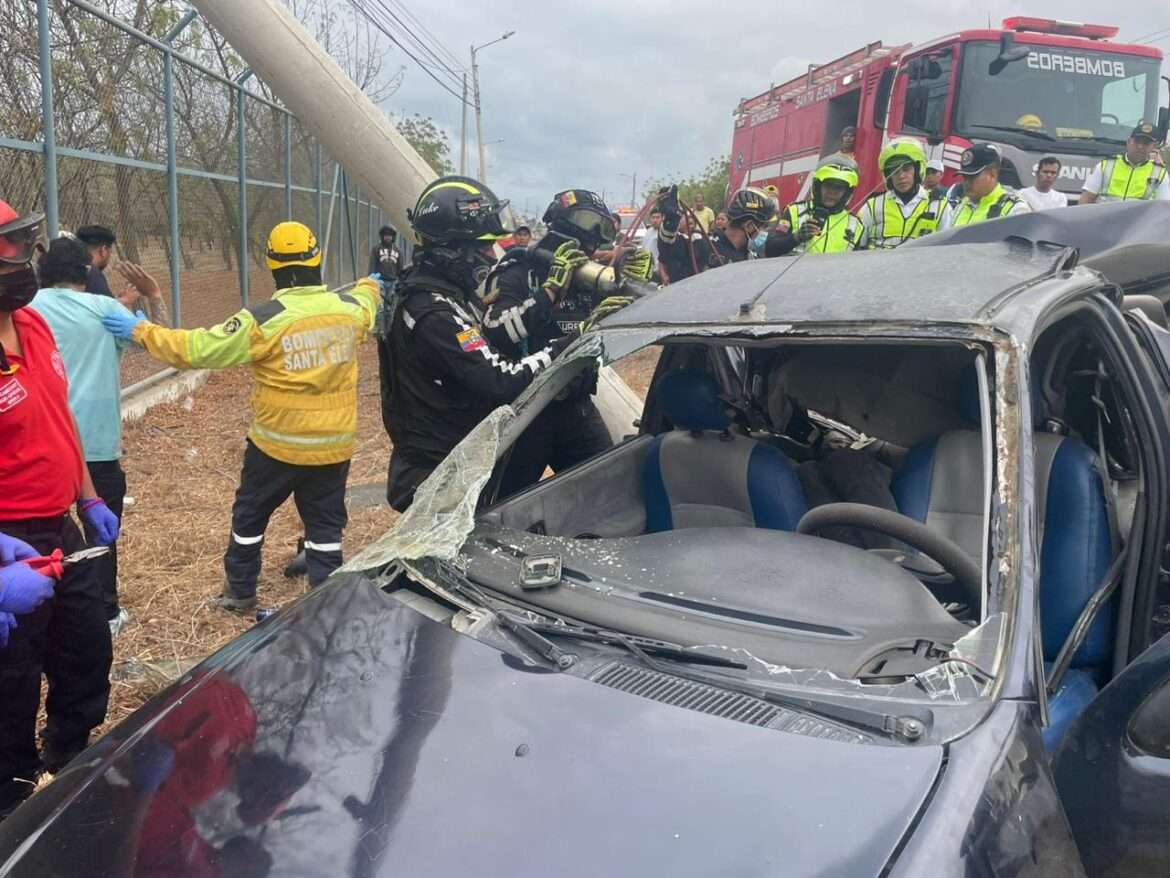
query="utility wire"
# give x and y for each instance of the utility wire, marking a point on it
(413, 19)
(423, 47)
(1153, 33)
(360, 6)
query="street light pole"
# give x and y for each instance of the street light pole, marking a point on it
(478, 107)
(463, 132)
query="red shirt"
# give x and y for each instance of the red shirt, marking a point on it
(40, 458)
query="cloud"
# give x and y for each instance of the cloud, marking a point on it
(587, 91)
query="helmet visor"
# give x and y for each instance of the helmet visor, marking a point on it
(489, 221)
(18, 239)
(592, 224)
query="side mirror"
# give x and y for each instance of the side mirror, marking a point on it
(1009, 53)
(1163, 123)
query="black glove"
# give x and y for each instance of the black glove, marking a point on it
(808, 231)
(668, 204)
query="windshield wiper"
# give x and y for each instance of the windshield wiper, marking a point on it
(638, 645)
(451, 578)
(1014, 129)
(908, 727)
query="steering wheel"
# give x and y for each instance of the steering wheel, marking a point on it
(1105, 116)
(914, 533)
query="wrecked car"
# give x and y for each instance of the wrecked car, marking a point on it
(873, 584)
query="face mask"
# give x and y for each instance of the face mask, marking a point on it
(756, 244)
(18, 288)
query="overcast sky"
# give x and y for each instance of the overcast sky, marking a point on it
(589, 90)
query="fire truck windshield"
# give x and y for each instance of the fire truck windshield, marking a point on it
(1083, 99)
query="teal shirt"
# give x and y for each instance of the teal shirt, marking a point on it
(93, 362)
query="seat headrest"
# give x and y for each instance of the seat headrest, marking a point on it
(690, 399)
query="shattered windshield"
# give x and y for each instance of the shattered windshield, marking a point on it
(667, 535)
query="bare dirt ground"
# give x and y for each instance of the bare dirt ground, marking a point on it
(182, 466)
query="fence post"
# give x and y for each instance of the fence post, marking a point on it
(48, 132)
(288, 210)
(242, 159)
(317, 184)
(173, 165)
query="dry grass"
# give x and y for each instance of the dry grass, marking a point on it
(182, 465)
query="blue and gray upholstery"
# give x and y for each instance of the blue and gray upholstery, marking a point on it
(700, 475)
(940, 483)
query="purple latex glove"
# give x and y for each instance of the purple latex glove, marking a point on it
(12, 549)
(99, 517)
(7, 623)
(22, 589)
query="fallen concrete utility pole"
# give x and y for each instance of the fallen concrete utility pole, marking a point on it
(324, 98)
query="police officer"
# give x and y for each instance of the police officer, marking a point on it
(444, 375)
(1133, 175)
(907, 209)
(525, 294)
(984, 197)
(302, 346)
(823, 223)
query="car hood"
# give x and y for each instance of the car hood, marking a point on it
(353, 735)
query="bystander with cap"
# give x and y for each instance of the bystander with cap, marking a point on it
(522, 237)
(43, 474)
(100, 242)
(933, 179)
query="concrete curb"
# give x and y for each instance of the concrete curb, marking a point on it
(165, 386)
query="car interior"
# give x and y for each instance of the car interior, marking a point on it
(701, 511)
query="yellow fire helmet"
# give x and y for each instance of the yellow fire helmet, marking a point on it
(292, 244)
(1030, 121)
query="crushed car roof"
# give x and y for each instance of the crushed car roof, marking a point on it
(967, 281)
(888, 285)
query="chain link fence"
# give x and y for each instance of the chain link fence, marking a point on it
(138, 116)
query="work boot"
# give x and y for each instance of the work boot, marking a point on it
(234, 604)
(298, 566)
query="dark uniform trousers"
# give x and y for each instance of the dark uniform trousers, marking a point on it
(68, 639)
(265, 483)
(110, 483)
(565, 433)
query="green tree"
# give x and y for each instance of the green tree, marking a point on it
(429, 140)
(712, 182)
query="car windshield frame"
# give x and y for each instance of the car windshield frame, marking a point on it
(993, 638)
(973, 83)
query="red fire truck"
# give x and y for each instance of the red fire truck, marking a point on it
(1036, 87)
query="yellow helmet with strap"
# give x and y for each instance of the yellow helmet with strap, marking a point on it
(900, 152)
(292, 243)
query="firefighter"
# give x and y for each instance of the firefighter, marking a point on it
(746, 235)
(907, 209)
(984, 197)
(823, 223)
(524, 295)
(443, 375)
(302, 345)
(1133, 175)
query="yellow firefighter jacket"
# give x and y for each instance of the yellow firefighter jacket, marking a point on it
(302, 345)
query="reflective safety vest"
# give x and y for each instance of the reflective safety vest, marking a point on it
(887, 226)
(996, 203)
(842, 231)
(302, 345)
(1121, 181)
